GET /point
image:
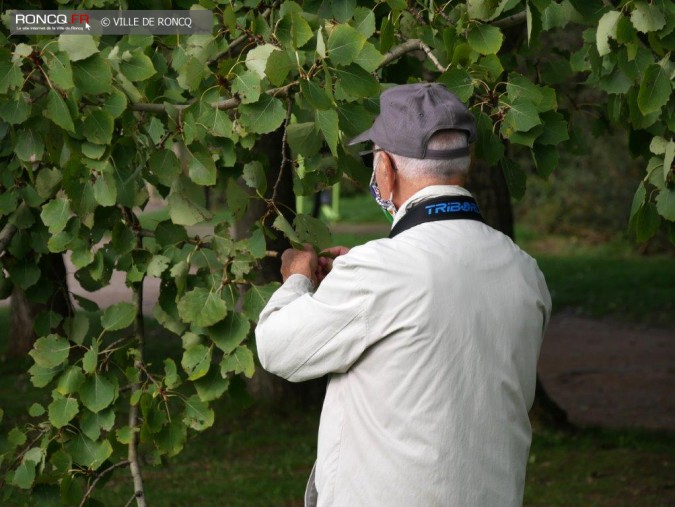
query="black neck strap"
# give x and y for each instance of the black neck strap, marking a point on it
(449, 207)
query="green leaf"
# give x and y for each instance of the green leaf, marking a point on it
(254, 176)
(315, 95)
(25, 273)
(171, 377)
(545, 159)
(98, 392)
(246, 85)
(485, 39)
(191, 74)
(105, 189)
(312, 230)
(196, 361)
(15, 111)
(171, 438)
(198, 415)
(647, 17)
(327, 122)
(354, 82)
(343, 10)
(10, 74)
(256, 59)
(70, 380)
(369, 57)
(91, 424)
(118, 316)
(527, 138)
(230, 333)
(138, 68)
(488, 145)
(59, 70)
(256, 298)
(98, 127)
(521, 117)
(50, 351)
(202, 168)
(35, 410)
(62, 410)
(88, 453)
(485, 10)
(264, 116)
(202, 307)
(24, 475)
(58, 112)
(90, 358)
(278, 66)
(115, 103)
(164, 164)
(29, 146)
(665, 204)
(158, 265)
(607, 27)
(655, 89)
(212, 386)
(77, 47)
(555, 129)
(183, 210)
(646, 222)
(458, 82)
(77, 327)
(240, 361)
(515, 178)
(344, 44)
(280, 223)
(304, 139)
(40, 376)
(93, 75)
(301, 32)
(364, 21)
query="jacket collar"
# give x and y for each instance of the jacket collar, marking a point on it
(426, 193)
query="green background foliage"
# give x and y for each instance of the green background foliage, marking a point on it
(89, 126)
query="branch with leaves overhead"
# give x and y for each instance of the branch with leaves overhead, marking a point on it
(88, 125)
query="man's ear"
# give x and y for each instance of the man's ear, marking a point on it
(387, 175)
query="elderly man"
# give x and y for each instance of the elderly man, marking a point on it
(430, 337)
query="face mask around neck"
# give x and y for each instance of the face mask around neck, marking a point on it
(387, 205)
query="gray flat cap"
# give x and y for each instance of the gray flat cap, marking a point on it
(411, 114)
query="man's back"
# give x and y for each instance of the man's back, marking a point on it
(432, 338)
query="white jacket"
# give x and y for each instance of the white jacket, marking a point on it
(431, 340)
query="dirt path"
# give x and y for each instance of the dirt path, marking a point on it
(610, 374)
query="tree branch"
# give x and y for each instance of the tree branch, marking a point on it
(223, 104)
(407, 47)
(6, 235)
(8, 231)
(510, 21)
(99, 476)
(283, 91)
(139, 335)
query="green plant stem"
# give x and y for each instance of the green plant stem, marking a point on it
(139, 335)
(99, 477)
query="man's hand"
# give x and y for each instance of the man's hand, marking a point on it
(326, 260)
(301, 262)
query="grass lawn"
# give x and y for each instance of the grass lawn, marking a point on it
(256, 455)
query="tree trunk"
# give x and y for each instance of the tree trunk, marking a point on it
(488, 185)
(264, 385)
(23, 311)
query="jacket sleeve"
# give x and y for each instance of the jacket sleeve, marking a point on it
(303, 335)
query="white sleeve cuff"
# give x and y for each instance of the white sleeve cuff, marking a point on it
(299, 284)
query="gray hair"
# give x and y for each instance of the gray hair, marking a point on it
(416, 168)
